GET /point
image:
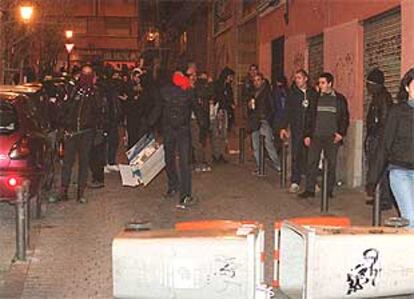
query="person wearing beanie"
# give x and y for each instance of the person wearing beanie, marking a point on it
(381, 102)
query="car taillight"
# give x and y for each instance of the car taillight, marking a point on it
(20, 150)
(13, 182)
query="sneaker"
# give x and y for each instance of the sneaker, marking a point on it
(294, 188)
(186, 202)
(96, 185)
(114, 168)
(255, 172)
(106, 170)
(306, 194)
(171, 193)
(82, 200)
(81, 197)
(205, 168)
(198, 169)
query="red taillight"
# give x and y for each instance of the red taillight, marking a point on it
(13, 182)
(20, 150)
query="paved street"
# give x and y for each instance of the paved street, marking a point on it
(71, 255)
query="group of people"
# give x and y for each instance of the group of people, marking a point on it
(187, 107)
(316, 119)
(191, 110)
(316, 122)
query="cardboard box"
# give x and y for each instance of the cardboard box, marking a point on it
(151, 164)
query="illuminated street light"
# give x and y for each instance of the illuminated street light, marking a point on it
(26, 13)
(69, 48)
(69, 34)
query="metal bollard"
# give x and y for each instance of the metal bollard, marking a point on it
(27, 208)
(376, 207)
(325, 199)
(38, 210)
(283, 177)
(242, 138)
(261, 155)
(20, 225)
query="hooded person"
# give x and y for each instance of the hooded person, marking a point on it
(177, 103)
(222, 114)
(380, 105)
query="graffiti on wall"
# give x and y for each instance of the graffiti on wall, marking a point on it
(298, 62)
(344, 73)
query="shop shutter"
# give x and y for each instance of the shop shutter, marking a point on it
(382, 42)
(315, 57)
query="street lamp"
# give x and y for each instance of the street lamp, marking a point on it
(26, 13)
(69, 34)
(69, 47)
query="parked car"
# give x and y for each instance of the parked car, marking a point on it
(26, 149)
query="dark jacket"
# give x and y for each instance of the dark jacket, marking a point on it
(296, 108)
(377, 114)
(279, 100)
(248, 89)
(176, 106)
(397, 143)
(264, 108)
(112, 91)
(204, 92)
(342, 116)
(82, 110)
(224, 91)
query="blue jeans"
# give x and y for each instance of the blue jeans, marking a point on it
(265, 130)
(402, 185)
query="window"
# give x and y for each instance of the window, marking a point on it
(8, 118)
(118, 26)
(79, 26)
(249, 6)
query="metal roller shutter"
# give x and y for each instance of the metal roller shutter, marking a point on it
(315, 57)
(382, 42)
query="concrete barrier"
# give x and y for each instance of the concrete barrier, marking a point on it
(349, 262)
(187, 264)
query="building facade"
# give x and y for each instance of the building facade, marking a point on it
(108, 29)
(346, 38)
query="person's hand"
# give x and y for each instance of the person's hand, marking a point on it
(250, 104)
(338, 138)
(284, 134)
(123, 97)
(307, 141)
(370, 190)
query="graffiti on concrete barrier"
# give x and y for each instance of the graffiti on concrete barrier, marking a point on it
(365, 273)
(226, 275)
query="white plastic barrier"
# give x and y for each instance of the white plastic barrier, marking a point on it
(239, 225)
(331, 221)
(201, 264)
(354, 262)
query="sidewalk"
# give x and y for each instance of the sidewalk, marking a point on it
(72, 243)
